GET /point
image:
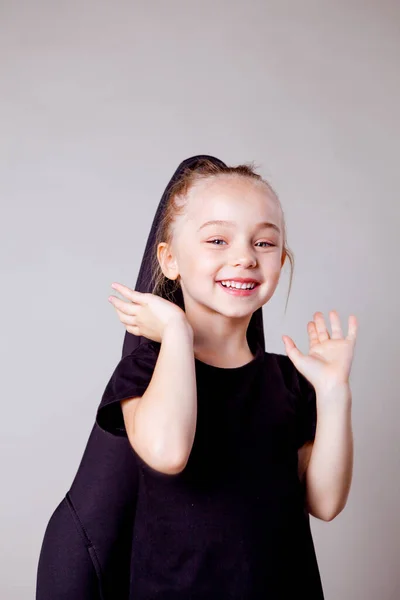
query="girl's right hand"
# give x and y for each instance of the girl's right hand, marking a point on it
(146, 314)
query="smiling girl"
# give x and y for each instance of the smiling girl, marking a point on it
(231, 456)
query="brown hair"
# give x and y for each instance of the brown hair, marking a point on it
(205, 169)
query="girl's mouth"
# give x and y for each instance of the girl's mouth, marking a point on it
(238, 292)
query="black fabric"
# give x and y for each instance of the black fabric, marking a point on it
(105, 492)
(66, 569)
(307, 409)
(130, 378)
(232, 524)
(133, 373)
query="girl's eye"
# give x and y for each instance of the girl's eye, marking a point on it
(219, 240)
(216, 240)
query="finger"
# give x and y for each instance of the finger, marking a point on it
(292, 350)
(133, 329)
(337, 333)
(312, 334)
(127, 320)
(321, 327)
(352, 330)
(126, 307)
(132, 295)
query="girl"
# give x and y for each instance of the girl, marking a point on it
(220, 432)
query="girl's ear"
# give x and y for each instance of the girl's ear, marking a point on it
(167, 261)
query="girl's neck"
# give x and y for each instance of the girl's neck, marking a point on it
(223, 358)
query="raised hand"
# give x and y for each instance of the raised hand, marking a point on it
(329, 360)
(145, 313)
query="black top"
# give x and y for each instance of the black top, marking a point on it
(232, 525)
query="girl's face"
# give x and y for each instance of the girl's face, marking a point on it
(247, 244)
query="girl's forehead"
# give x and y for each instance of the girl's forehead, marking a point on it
(224, 196)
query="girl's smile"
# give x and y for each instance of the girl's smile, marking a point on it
(237, 291)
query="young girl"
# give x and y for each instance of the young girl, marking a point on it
(229, 459)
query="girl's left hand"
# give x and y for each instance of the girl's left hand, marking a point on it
(329, 360)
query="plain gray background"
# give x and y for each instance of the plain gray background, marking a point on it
(100, 101)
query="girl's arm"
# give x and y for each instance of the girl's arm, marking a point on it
(161, 424)
(329, 473)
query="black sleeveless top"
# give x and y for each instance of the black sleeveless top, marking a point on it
(232, 525)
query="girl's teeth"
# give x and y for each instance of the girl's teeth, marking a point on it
(242, 286)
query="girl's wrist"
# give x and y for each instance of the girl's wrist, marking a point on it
(179, 323)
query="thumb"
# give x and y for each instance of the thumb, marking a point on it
(295, 355)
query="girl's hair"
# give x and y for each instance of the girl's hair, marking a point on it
(205, 169)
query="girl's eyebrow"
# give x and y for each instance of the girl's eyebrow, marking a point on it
(263, 224)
